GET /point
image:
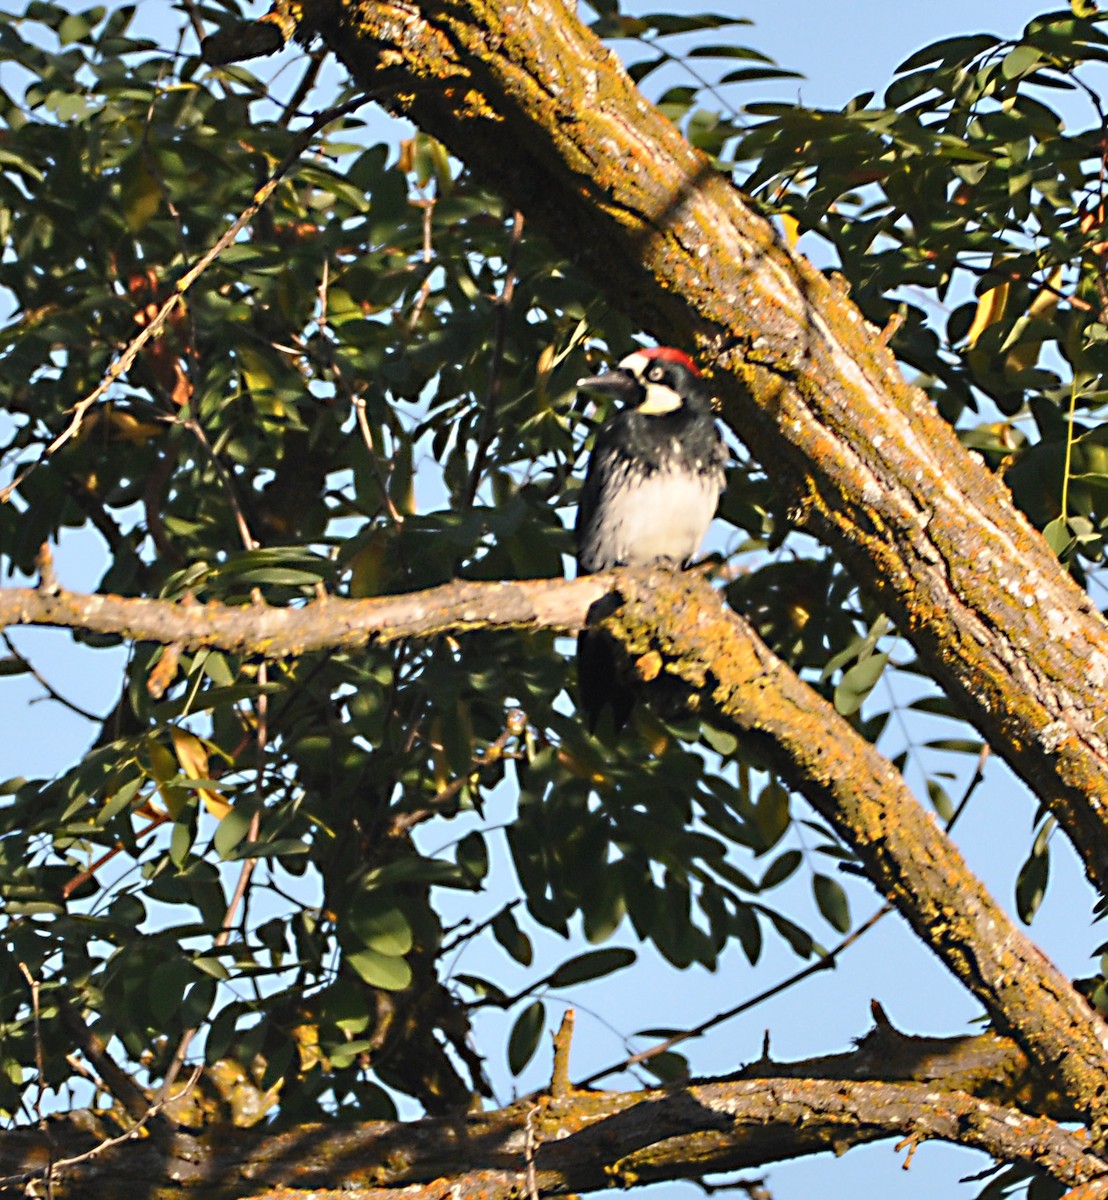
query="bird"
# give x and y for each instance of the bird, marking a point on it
(651, 488)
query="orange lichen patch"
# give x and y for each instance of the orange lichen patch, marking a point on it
(649, 666)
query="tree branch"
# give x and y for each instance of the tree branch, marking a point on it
(583, 1141)
(328, 623)
(904, 853)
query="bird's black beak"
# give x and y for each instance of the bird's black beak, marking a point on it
(621, 384)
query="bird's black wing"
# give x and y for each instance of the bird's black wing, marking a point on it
(599, 667)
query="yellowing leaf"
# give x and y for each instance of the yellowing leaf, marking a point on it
(258, 375)
(1024, 353)
(163, 766)
(140, 194)
(131, 429)
(790, 226)
(193, 757)
(990, 309)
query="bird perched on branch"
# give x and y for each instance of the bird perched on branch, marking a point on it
(653, 482)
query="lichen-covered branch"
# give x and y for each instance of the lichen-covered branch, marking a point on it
(329, 623)
(534, 103)
(581, 1140)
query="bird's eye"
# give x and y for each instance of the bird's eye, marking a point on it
(656, 373)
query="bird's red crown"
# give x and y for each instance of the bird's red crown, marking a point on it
(671, 354)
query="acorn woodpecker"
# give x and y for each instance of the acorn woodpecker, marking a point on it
(653, 482)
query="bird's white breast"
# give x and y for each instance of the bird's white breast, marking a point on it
(660, 516)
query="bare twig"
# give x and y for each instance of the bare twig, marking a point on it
(487, 425)
(44, 683)
(307, 82)
(515, 724)
(357, 402)
(36, 1013)
(560, 1085)
(50, 1172)
(529, 1144)
(428, 205)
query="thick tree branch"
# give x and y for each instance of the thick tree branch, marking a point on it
(534, 103)
(583, 1140)
(327, 624)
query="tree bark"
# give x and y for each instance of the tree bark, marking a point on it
(583, 1140)
(537, 106)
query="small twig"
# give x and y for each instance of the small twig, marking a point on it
(53, 693)
(467, 931)
(248, 540)
(49, 1172)
(755, 1188)
(487, 423)
(559, 1078)
(127, 358)
(194, 20)
(529, 1146)
(307, 82)
(428, 205)
(44, 564)
(40, 1067)
(892, 327)
(89, 872)
(514, 725)
(912, 1142)
(357, 402)
(112, 1077)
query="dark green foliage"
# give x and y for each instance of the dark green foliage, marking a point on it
(348, 402)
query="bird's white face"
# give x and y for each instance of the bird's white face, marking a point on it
(660, 398)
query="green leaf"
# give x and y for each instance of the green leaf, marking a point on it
(940, 801)
(832, 902)
(167, 988)
(182, 837)
(1059, 537)
(780, 869)
(230, 831)
(771, 814)
(472, 856)
(507, 932)
(523, 1040)
(377, 921)
(949, 50)
(799, 939)
(1034, 876)
(591, 965)
(384, 971)
(857, 683)
(1020, 61)
(668, 1067)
